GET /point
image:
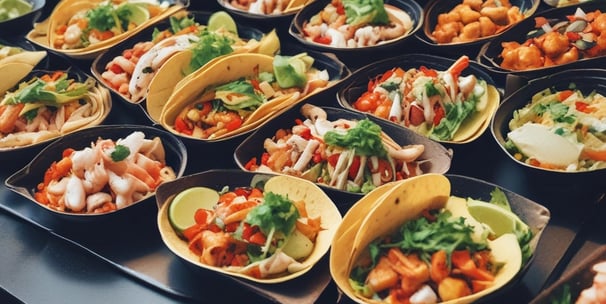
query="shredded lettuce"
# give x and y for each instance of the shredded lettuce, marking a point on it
(362, 12)
(364, 138)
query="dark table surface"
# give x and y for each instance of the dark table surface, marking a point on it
(40, 263)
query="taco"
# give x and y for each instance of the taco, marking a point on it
(48, 105)
(443, 105)
(426, 244)
(262, 7)
(237, 93)
(81, 28)
(131, 73)
(257, 243)
(185, 65)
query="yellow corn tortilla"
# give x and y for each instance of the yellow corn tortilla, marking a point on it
(30, 57)
(11, 73)
(317, 204)
(173, 73)
(404, 201)
(226, 69)
(44, 34)
(100, 101)
(475, 125)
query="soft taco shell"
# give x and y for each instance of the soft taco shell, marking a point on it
(100, 101)
(476, 124)
(30, 57)
(12, 73)
(224, 70)
(402, 202)
(174, 72)
(317, 204)
(65, 9)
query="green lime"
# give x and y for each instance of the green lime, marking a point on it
(223, 20)
(497, 218)
(10, 9)
(183, 207)
(138, 12)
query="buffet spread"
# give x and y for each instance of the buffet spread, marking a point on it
(311, 151)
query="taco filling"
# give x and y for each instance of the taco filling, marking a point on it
(103, 21)
(227, 107)
(131, 73)
(48, 105)
(442, 255)
(357, 23)
(254, 232)
(433, 103)
(348, 155)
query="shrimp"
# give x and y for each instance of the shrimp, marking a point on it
(75, 195)
(72, 35)
(9, 114)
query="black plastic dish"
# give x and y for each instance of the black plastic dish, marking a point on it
(437, 156)
(414, 10)
(23, 23)
(436, 7)
(357, 83)
(586, 80)
(25, 180)
(578, 279)
(29, 150)
(490, 53)
(98, 65)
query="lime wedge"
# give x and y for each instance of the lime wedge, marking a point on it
(138, 12)
(498, 219)
(183, 207)
(10, 9)
(223, 20)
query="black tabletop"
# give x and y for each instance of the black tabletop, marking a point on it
(46, 263)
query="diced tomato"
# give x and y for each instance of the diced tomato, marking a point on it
(323, 39)
(61, 29)
(181, 126)
(540, 21)
(386, 75)
(439, 114)
(255, 84)
(247, 231)
(206, 108)
(385, 170)
(128, 54)
(355, 166)
(582, 107)
(340, 8)
(227, 197)
(201, 216)
(416, 115)
(573, 36)
(191, 232)
(235, 123)
(68, 152)
(258, 238)
(116, 69)
(264, 158)
(562, 95)
(231, 227)
(242, 191)
(251, 164)
(305, 133)
(317, 158)
(332, 159)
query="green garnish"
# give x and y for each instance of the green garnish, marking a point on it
(365, 138)
(120, 153)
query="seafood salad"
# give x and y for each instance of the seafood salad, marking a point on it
(50, 105)
(357, 23)
(559, 41)
(108, 175)
(131, 73)
(475, 19)
(597, 292)
(560, 130)
(263, 85)
(254, 232)
(433, 103)
(104, 20)
(443, 254)
(353, 156)
(267, 7)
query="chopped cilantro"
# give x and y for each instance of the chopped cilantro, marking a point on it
(120, 153)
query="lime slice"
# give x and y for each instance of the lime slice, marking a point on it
(498, 219)
(183, 207)
(138, 12)
(223, 20)
(10, 9)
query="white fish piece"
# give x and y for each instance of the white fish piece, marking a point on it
(75, 196)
